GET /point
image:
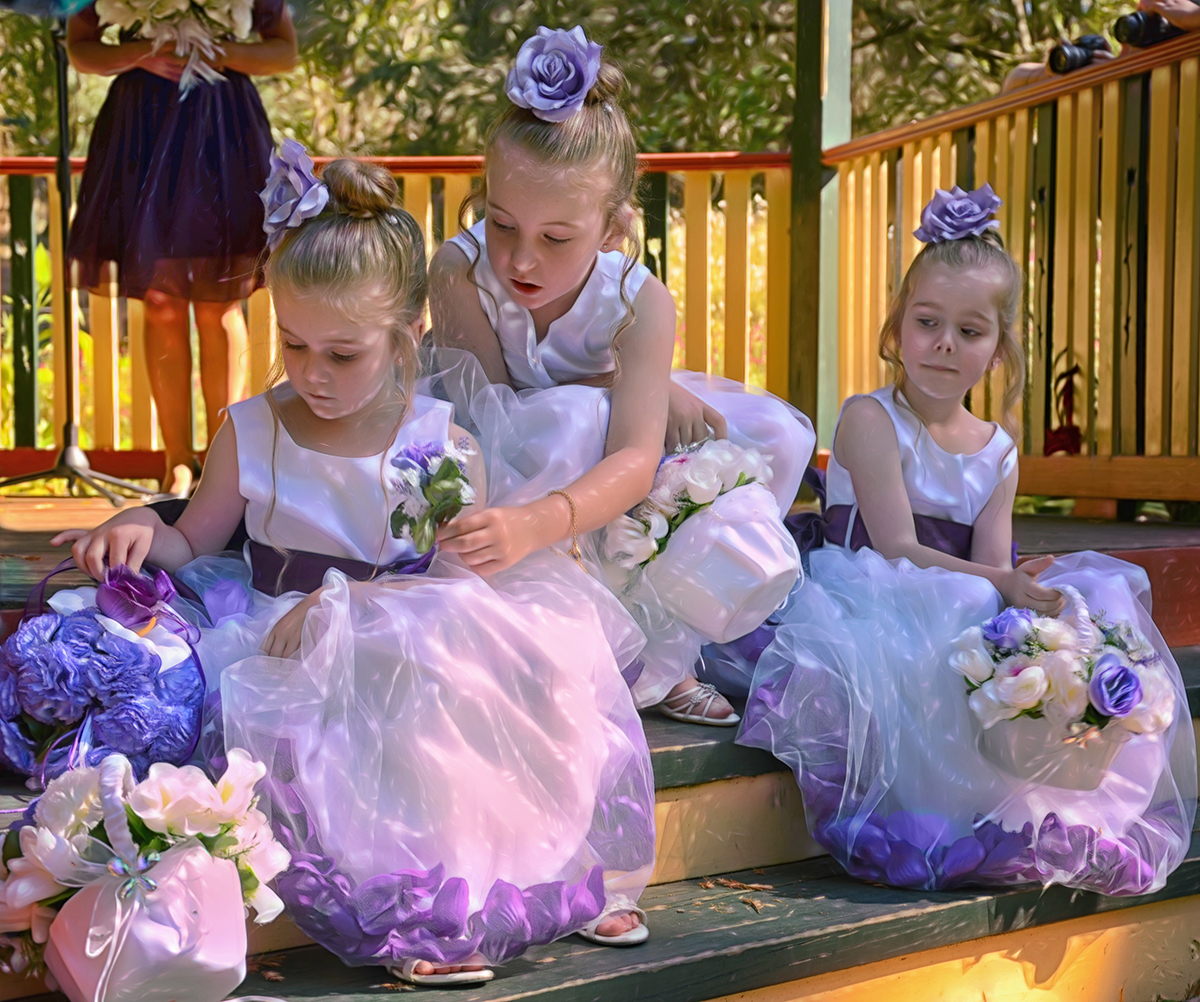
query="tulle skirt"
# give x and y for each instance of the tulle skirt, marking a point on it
(538, 440)
(171, 188)
(455, 764)
(855, 693)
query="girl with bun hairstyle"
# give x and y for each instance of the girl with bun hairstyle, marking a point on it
(576, 337)
(455, 764)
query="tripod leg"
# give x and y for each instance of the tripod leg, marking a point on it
(125, 485)
(28, 478)
(114, 499)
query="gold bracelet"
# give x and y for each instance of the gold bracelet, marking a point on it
(574, 551)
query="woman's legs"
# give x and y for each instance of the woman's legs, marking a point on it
(223, 341)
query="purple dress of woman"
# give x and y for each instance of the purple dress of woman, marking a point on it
(170, 194)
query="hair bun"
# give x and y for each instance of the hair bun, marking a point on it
(610, 85)
(361, 189)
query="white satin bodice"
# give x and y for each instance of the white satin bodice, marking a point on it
(336, 505)
(579, 343)
(939, 484)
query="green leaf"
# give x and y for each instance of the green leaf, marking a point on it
(12, 846)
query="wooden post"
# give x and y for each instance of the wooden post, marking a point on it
(697, 209)
(23, 236)
(805, 293)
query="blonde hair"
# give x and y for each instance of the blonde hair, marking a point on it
(597, 138)
(361, 241)
(985, 251)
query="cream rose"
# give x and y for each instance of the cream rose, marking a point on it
(178, 801)
(1023, 690)
(988, 707)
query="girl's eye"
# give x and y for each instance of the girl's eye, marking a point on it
(290, 346)
(342, 358)
(558, 240)
(971, 332)
(926, 321)
(499, 225)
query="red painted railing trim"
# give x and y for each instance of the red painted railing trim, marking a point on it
(655, 163)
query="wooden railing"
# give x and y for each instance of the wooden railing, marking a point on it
(731, 222)
(1100, 179)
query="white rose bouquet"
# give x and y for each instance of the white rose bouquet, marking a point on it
(686, 482)
(191, 27)
(103, 853)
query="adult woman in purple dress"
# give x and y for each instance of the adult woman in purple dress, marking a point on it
(170, 195)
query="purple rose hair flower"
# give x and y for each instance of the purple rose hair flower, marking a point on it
(1009, 629)
(955, 214)
(1115, 688)
(293, 193)
(553, 73)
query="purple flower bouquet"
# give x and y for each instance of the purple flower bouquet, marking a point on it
(1069, 691)
(108, 670)
(431, 479)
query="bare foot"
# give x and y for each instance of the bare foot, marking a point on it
(179, 479)
(618, 925)
(424, 967)
(697, 699)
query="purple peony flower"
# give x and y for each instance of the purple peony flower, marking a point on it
(127, 727)
(30, 637)
(293, 193)
(118, 669)
(16, 749)
(10, 706)
(955, 214)
(1115, 688)
(133, 599)
(51, 686)
(1008, 630)
(554, 71)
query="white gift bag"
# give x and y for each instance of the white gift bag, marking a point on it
(727, 567)
(171, 930)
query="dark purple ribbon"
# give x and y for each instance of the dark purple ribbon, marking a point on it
(275, 573)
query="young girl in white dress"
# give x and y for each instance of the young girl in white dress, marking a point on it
(857, 692)
(577, 338)
(455, 763)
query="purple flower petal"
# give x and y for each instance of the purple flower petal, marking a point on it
(553, 73)
(955, 214)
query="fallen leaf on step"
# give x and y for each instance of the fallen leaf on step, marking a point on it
(756, 905)
(256, 964)
(273, 976)
(707, 884)
(759, 870)
(398, 986)
(737, 885)
(546, 960)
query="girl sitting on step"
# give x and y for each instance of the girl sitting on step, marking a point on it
(455, 764)
(952, 719)
(577, 337)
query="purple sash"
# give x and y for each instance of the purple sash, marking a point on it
(299, 570)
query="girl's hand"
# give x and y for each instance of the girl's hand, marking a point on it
(164, 64)
(690, 419)
(494, 539)
(284, 639)
(1019, 588)
(121, 542)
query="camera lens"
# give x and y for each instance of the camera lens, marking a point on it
(1143, 29)
(1068, 57)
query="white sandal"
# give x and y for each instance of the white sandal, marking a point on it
(630, 937)
(701, 692)
(408, 972)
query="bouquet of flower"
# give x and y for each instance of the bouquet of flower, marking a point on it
(687, 481)
(99, 861)
(1078, 671)
(433, 487)
(110, 669)
(191, 26)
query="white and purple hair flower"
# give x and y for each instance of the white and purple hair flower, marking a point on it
(293, 193)
(553, 73)
(955, 214)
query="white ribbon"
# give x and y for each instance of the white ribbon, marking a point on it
(193, 40)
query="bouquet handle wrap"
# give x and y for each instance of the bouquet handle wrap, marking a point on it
(154, 930)
(729, 566)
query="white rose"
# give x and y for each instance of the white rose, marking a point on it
(1024, 690)
(116, 12)
(659, 526)
(1157, 708)
(702, 480)
(661, 500)
(670, 474)
(626, 543)
(1066, 688)
(1055, 635)
(178, 801)
(970, 657)
(235, 788)
(1014, 665)
(71, 803)
(467, 493)
(988, 707)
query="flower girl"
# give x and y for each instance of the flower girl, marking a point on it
(938, 737)
(577, 337)
(455, 764)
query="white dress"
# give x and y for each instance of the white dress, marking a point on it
(455, 763)
(855, 692)
(552, 425)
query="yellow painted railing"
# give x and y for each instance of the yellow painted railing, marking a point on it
(1101, 186)
(728, 322)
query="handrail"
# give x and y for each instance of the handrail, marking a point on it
(654, 163)
(1140, 61)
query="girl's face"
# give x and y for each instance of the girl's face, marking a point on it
(544, 229)
(950, 333)
(336, 363)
